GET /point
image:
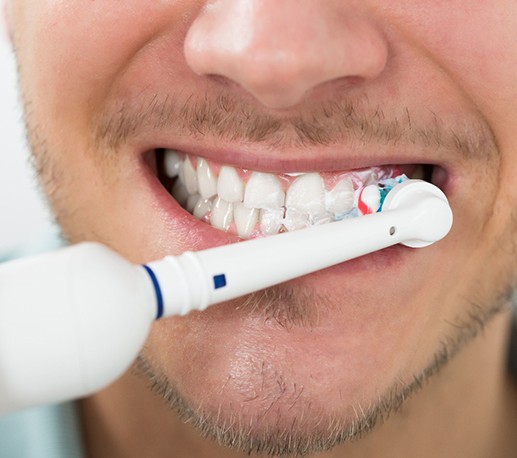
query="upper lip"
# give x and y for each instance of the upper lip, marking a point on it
(282, 159)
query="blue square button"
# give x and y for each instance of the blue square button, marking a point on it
(219, 281)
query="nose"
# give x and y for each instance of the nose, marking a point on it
(278, 51)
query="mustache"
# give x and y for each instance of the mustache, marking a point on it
(226, 116)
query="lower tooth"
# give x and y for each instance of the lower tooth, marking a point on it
(271, 221)
(295, 220)
(322, 219)
(180, 193)
(222, 214)
(245, 219)
(202, 207)
(191, 202)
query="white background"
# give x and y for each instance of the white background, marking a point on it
(23, 215)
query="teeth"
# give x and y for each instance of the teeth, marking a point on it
(203, 206)
(369, 200)
(271, 221)
(295, 219)
(245, 219)
(190, 176)
(172, 163)
(229, 186)
(206, 180)
(263, 190)
(191, 202)
(340, 200)
(180, 193)
(181, 173)
(322, 219)
(306, 195)
(222, 213)
(261, 203)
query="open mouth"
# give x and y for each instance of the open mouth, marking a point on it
(254, 204)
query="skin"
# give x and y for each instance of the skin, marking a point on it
(436, 79)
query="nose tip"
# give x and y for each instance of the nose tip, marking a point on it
(280, 51)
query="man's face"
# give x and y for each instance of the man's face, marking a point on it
(283, 87)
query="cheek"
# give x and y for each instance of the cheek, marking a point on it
(70, 55)
(473, 42)
(64, 74)
(79, 49)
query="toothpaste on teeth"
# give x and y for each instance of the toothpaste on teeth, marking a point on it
(369, 200)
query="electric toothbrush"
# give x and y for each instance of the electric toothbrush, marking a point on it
(72, 321)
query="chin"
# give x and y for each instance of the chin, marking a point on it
(291, 362)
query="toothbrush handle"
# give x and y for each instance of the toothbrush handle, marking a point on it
(196, 280)
(71, 322)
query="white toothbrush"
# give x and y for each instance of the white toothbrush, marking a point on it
(72, 321)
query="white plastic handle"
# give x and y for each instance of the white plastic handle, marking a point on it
(71, 322)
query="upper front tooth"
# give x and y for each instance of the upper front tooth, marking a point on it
(190, 176)
(307, 195)
(229, 186)
(263, 190)
(340, 200)
(206, 180)
(172, 163)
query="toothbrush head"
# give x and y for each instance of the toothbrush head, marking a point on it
(431, 216)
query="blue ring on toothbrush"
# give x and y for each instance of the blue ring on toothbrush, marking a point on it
(157, 290)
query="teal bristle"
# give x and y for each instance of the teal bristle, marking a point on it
(386, 185)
